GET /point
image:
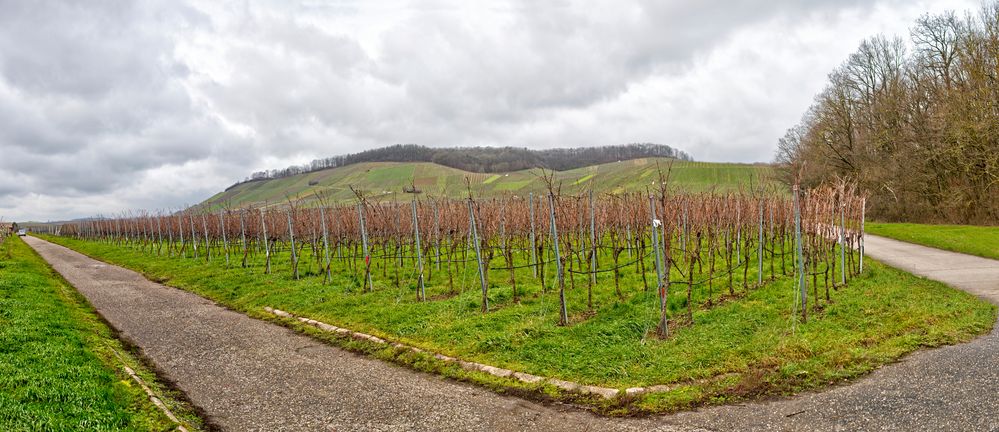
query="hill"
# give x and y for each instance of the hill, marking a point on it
(387, 180)
(484, 159)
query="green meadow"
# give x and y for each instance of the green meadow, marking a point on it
(60, 365)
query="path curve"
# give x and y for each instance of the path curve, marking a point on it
(248, 374)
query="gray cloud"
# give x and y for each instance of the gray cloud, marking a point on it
(107, 106)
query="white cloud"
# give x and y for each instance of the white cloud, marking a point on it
(160, 103)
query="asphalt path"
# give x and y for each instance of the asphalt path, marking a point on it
(246, 374)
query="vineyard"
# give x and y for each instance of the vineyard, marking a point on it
(6, 230)
(681, 251)
(707, 297)
(383, 179)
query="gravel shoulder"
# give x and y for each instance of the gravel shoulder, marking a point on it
(247, 374)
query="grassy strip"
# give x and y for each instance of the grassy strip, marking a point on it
(744, 347)
(58, 368)
(981, 241)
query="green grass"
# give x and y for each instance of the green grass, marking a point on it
(491, 179)
(743, 347)
(982, 241)
(385, 181)
(58, 367)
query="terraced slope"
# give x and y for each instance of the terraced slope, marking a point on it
(388, 179)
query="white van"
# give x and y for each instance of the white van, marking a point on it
(22, 232)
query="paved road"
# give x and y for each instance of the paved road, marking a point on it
(252, 375)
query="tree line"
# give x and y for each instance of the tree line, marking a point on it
(483, 159)
(915, 124)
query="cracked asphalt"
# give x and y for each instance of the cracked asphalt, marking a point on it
(249, 375)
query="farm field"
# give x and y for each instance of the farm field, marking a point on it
(981, 241)
(386, 180)
(59, 364)
(733, 325)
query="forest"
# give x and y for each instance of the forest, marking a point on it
(915, 122)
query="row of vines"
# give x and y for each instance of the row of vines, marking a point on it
(6, 230)
(694, 250)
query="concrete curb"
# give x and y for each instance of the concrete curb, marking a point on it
(604, 392)
(149, 393)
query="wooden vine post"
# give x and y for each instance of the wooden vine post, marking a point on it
(225, 241)
(183, 245)
(842, 237)
(208, 245)
(563, 311)
(421, 293)
(863, 208)
(661, 274)
(159, 237)
(478, 255)
(169, 239)
(759, 248)
(194, 235)
(326, 245)
(294, 254)
(593, 254)
(799, 254)
(242, 235)
(369, 284)
(266, 241)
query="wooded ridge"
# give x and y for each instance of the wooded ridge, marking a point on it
(483, 159)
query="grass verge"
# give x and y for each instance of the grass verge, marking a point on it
(981, 241)
(747, 346)
(58, 364)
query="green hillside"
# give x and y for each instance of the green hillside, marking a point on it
(386, 180)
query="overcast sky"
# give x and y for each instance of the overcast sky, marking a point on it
(113, 105)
